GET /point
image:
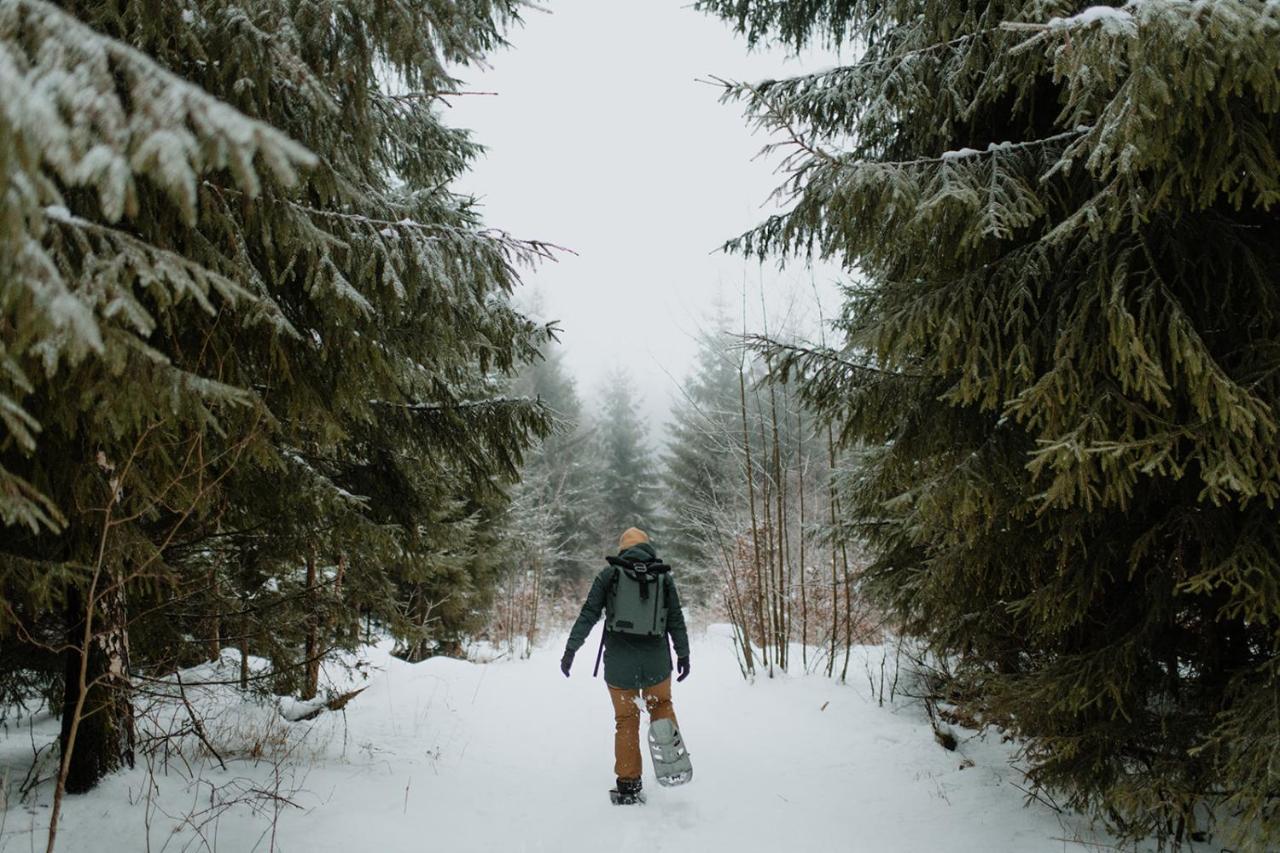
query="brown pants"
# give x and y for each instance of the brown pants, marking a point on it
(626, 714)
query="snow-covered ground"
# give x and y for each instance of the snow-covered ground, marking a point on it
(509, 756)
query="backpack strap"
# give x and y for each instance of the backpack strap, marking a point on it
(612, 592)
(642, 573)
(613, 588)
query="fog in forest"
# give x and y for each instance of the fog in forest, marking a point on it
(605, 135)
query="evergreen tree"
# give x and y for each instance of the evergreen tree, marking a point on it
(1061, 355)
(702, 461)
(628, 473)
(239, 373)
(560, 474)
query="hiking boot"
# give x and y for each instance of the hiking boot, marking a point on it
(627, 793)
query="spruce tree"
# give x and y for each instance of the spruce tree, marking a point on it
(702, 459)
(253, 345)
(629, 475)
(1059, 350)
(560, 474)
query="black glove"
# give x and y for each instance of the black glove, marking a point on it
(566, 662)
(682, 667)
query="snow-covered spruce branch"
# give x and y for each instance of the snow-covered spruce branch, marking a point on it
(429, 231)
(1128, 20)
(1116, 20)
(228, 288)
(321, 479)
(300, 75)
(804, 95)
(461, 405)
(435, 96)
(62, 78)
(775, 118)
(737, 91)
(965, 153)
(790, 357)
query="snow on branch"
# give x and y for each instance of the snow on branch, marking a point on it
(950, 157)
(99, 113)
(321, 479)
(459, 405)
(426, 231)
(161, 264)
(1114, 20)
(879, 62)
(790, 360)
(1230, 17)
(431, 231)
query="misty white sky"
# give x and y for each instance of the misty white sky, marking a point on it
(601, 139)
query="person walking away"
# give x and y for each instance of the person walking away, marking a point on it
(637, 595)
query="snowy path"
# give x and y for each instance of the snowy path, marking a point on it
(452, 756)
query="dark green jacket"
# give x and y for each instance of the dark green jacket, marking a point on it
(630, 660)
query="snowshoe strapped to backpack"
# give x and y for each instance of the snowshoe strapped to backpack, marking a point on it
(637, 602)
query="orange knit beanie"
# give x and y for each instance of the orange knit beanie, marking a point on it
(631, 537)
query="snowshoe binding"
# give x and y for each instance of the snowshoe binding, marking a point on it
(627, 793)
(670, 759)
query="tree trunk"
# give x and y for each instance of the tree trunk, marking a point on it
(311, 685)
(214, 630)
(532, 631)
(737, 610)
(848, 611)
(835, 584)
(770, 587)
(344, 622)
(755, 527)
(97, 725)
(784, 558)
(244, 643)
(804, 596)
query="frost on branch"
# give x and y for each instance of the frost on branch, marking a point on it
(95, 112)
(81, 110)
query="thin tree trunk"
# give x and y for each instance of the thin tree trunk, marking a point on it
(770, 589)
(848, 611)
(804, 597)
(743, 653)
(771, 583)
(735, 605)
(533, 616)
(214, 631)
(848, 603)
(780, 489)
(311, 686)
(511, 613)
(755, 526)
(835, 583)
(350, 631)
(244, 644)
